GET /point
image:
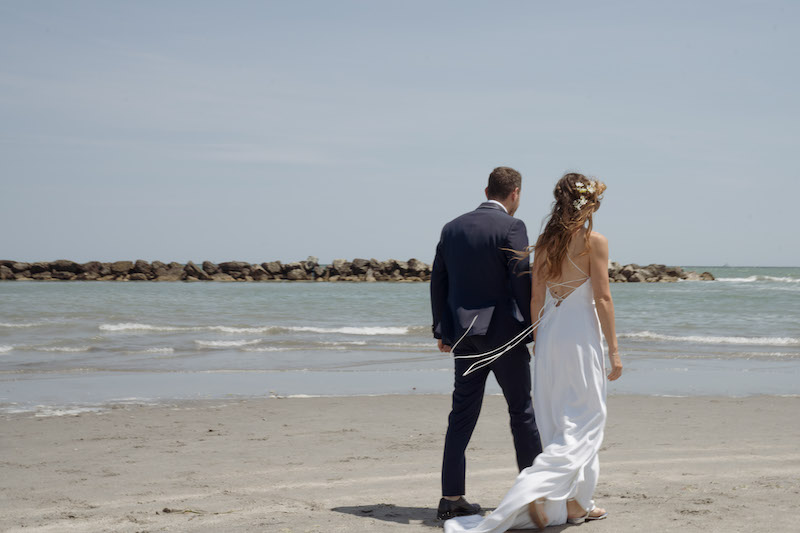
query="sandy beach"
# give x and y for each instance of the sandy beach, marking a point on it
(353, 464)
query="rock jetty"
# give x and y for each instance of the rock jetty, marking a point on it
(634, 273)
(308, 270)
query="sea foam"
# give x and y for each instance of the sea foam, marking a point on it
(353, 330)
(751, 279)
(227, 344)
(711, 339)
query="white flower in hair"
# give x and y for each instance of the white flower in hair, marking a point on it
(580, 202)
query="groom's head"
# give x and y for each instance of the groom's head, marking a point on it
(504, 186)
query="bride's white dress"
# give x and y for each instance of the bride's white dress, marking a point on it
(570, 405)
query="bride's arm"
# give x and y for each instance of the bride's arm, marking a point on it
(537, 294)
(602, 298)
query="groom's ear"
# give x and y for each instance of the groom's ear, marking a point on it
(486, 191)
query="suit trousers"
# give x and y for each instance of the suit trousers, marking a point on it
(513, 374)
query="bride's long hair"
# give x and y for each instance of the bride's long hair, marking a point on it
(576, 199)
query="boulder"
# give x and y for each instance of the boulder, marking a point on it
(370, 275)
(210, 268)
(143, 267)
(92, 267)
(674, 272)
(628, 270)
(20, 267)
(221, 276)
(38, 268)
(310, 264)
(138, 276)
(359, 266)
(707, 276)
(296, 274)
(258, 273)
(417, 267)
(273, 267)
(6, 273)
(171, 272)
(196, 272)
(121, 267)
(44, 275)
(235, 266)
(64, 265)
(159, 268)
(636, 277)
(340, 267)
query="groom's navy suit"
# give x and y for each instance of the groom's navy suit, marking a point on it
(475, 274)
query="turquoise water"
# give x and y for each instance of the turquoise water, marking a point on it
(81, 344)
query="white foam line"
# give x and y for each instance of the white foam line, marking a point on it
(63, 349)
(710, 339)
(227, 344)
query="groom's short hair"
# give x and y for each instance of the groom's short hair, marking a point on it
(502, 182)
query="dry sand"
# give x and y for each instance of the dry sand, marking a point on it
(371, 464)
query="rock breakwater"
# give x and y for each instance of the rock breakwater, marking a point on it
(308, 270)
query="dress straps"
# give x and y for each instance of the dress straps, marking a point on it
(576, 266)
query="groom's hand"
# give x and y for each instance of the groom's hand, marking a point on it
(444, 348)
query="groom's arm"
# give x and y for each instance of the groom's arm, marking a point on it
(439, 289)
(519, 269)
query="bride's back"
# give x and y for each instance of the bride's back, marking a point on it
(575, 268)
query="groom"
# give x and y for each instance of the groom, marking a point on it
(477, 280)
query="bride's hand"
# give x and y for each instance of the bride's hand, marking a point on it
(616, 367)
(444, 348)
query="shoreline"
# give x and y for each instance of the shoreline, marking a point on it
(366, 464)
(11, 410)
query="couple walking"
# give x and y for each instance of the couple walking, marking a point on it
(488, 303)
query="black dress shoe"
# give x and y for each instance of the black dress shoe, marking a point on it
(461, 507)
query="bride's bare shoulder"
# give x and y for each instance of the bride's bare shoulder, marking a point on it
(597, 238)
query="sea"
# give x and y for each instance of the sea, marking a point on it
(69, 347)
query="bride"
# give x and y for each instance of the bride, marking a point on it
(572, 298)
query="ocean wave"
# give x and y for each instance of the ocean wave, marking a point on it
(268, 349)
(227, 344)
(63, 349)
(751, 279)
(6, 349)
(20, 325)
(711, 339)
(132, 326)
(346, 330)
(232, 329)
(353, 330)
(158, 350)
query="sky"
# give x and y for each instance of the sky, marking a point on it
(259, 131)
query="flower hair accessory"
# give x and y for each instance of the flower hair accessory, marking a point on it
(582, 188)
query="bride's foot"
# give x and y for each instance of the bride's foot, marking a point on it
(578, 515)
(536, 510)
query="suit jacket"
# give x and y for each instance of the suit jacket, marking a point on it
(473, 276)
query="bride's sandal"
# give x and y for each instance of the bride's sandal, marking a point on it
(599, 515)
(536, 512)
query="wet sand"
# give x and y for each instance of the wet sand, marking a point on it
(369, 464)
